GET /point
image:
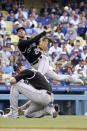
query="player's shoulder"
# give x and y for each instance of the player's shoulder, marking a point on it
(31, 70)
(25, 71)
(19, 42)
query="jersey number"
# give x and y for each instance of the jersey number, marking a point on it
(36, 51)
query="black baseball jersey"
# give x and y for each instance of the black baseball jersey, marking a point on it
(29, 48)
(36, 79)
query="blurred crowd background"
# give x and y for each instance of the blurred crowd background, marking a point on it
(66, 44)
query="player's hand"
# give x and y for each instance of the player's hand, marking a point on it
(48, 31)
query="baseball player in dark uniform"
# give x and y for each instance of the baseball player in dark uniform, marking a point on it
(28, 47)
(34, 86)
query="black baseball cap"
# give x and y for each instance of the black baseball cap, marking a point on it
(20, 28)
(84, 47)
(16, 66)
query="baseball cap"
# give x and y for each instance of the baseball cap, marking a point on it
(1, 15)
(20, 28)
(13, 72)
(75, 16)
(11, 11)
(55, 42)
(76, 50)
(16, 23)
(66, 39)
(16, 66)
(70, 23)
(64, 53)
(54, 53)
(8, 43)
(23, 59)
(84, 47)
(55, 34)
(79, 68)
(81, 59)
(4, 45)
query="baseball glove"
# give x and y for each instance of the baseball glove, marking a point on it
(19, 111)
(7, 110)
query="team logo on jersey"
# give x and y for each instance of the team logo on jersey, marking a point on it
(26, 81)
(28, 50)
(33, 48)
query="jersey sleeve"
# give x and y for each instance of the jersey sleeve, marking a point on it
(35, 39)
(24, 74)
(18, 77)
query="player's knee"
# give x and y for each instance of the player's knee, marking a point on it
(14, 86)
(26, 114)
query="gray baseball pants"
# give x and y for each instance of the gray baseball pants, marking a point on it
(39, 99)
(43, 67)
(35, 111)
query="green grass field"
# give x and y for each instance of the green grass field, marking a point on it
(61, 122)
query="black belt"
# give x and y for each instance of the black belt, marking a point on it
(48, 92)
(36, 61)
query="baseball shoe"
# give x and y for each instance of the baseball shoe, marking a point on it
(81, 82)
(50, 110)
(11, 114)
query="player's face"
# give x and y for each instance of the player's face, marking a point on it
(20, 69)
(21, 33)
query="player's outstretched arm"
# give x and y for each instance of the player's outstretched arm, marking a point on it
(39, 36)
(48, 31)
(35, 39)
